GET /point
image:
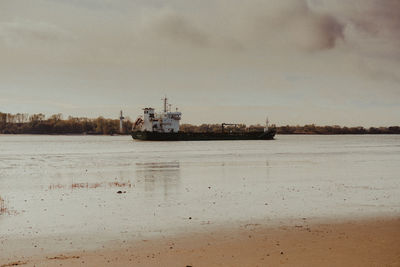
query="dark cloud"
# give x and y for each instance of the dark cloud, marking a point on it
(242, 25)
(378, 17)
(329, 30)
(372, 26)
(297, 25)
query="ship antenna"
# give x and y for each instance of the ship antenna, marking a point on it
(266, 125)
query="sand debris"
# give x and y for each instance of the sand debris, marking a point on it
(91, 185)
(3, 208)
(15, 263)
(63, 257)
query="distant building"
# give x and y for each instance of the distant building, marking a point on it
(121, 120)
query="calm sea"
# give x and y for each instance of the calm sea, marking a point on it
(80, 191)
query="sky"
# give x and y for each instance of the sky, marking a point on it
(328, 62)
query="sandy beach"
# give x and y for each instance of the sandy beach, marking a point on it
(373, 242)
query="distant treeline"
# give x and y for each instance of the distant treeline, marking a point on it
(314, 129)
(306, 129)
(55, 124)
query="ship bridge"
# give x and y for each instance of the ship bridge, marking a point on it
(164, 122)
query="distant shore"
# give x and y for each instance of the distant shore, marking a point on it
(55, 124)
(373, 242)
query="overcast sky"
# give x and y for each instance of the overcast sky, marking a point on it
(297, 61)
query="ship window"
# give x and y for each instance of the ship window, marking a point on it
(151, 115)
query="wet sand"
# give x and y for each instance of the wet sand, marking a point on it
(353, 243)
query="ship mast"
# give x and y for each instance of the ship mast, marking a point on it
(165, 99)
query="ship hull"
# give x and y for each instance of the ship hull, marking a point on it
(185, 136)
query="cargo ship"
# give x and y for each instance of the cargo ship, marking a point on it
(164, 126)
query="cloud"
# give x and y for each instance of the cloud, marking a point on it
(371, 25)
(252, 51)
(246, 25)
(378, 18)
(292, 24)
(177, 29)
(25, 32)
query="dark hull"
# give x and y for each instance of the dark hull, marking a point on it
(183, 136)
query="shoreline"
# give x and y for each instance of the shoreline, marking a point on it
(365, 242)
(129, 134)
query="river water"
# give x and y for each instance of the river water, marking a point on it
(77, 192)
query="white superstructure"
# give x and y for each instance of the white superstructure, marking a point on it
(165, 122)
(266, 125)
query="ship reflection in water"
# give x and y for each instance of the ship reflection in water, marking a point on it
(159, 177)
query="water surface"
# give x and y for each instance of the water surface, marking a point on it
(79, 191)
